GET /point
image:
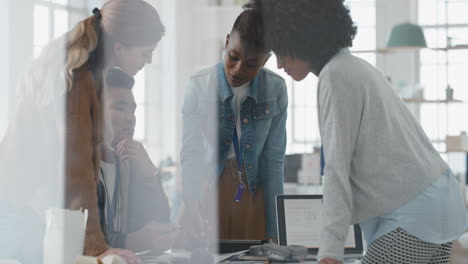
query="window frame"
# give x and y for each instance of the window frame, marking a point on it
(52, 7)
(443, 67)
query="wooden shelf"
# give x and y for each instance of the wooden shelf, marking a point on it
(371, 51)
(457, 47)
(388, 50)
(423, 101)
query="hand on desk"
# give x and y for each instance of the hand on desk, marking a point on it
(153, 236)
(127, 255)
(329, 261)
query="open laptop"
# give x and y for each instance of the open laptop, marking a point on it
(299, 221)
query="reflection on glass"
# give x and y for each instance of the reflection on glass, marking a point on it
(51, 152)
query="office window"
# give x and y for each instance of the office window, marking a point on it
(52, 18)
(445, 24)
(363, 13)
(302, 124)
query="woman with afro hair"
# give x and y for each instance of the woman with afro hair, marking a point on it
(381, 170)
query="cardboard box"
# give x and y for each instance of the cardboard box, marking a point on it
(457, 143)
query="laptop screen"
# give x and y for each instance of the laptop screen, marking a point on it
(299, 222)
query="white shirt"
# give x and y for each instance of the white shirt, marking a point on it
(107, 176)
(240, 93)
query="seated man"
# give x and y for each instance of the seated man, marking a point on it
(133, 207)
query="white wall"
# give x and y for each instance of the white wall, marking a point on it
(161, 89)
(94, 3)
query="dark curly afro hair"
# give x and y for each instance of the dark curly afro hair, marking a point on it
(312, 30)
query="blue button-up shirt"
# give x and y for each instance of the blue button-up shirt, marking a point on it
(209, 122)
(437, 215)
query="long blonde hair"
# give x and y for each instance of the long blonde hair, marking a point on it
(82, 40)
(131, 22)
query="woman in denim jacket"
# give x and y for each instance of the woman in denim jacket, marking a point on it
(237, 97)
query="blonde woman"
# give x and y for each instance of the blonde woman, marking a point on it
(64, 102)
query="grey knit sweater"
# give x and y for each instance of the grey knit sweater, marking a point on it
(377, 155)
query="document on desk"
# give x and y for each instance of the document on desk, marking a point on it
(303, 218)
(224, 258)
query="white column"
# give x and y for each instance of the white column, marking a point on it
(161, 89)
(19, 44)
(4, 67)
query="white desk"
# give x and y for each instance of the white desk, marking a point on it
(306, 262)
(7, 261)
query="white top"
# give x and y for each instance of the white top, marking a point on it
(377, 155)
(240, 93)
(108, 175)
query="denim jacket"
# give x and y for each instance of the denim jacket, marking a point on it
(209, 122)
